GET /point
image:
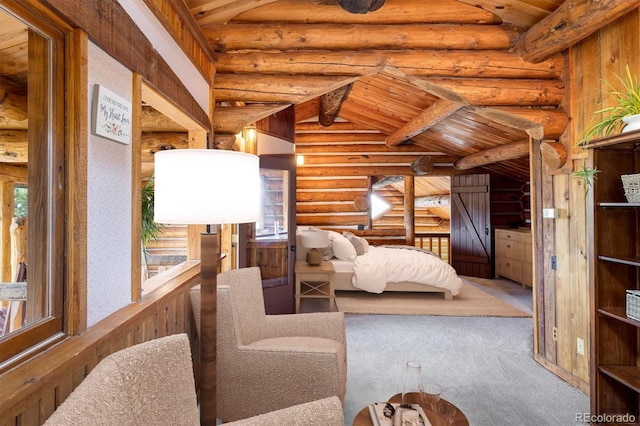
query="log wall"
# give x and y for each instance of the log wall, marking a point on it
(563, 293)
(339, 163)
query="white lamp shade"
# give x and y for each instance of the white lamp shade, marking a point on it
(314, 239)
(206, 186)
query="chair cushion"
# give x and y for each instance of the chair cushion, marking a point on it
(297, 344)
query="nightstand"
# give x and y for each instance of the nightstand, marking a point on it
(314, 282)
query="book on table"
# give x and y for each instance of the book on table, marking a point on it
(394, 414)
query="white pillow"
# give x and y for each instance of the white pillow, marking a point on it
(360, 244)
(365, 244)
(342, 248)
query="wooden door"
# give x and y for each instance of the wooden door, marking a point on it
(471, 225)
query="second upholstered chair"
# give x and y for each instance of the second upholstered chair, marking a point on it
(269, 362)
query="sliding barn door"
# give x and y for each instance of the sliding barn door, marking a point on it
(471, 225)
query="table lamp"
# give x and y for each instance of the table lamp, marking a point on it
(206, 187)
(314, 240)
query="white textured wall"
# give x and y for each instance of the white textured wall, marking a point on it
(108, 201)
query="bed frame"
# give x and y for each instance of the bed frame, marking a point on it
(342, 280)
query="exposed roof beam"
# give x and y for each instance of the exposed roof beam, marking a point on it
(222, 11)
(573, 21)
(393, 12)
(431, 116)
(231, 119)
(330, 105)
(360, 36)
(425, 63)
(509, 151)
(275, 88)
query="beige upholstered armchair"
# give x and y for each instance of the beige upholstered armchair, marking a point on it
(268, 362)
(152, 384)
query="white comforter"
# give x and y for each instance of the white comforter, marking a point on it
(382, 265)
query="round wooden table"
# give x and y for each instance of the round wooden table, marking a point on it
(363, 418)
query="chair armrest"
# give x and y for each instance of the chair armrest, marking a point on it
(322, 412)
(330, 325)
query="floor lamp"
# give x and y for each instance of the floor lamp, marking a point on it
(206, 187)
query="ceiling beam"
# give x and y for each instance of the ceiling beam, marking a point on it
(275, 88)
(509, 151)
(330, 105)
(232, 119)
(424, 62)
(393, 12)
(431, 116)
(573, 21)
(360, 36)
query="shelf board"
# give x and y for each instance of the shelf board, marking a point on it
(627, 375)
(627, 137)
(619, 314)
(619, 205)
(626, 260)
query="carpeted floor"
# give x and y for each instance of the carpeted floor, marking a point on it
(484, 365)
(471, 301)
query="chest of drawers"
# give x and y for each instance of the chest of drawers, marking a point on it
(513, 255)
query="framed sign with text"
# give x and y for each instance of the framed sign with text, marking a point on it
(111, 115)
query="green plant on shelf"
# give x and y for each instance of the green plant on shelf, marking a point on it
(626, 103)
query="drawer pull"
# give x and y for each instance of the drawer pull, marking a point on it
(508, 264)
(508, 245)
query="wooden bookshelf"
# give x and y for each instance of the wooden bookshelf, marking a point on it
(614, 229)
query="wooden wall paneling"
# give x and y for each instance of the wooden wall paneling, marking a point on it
(26, 393)
(577, 317)
(545, 293)
(136, 189)
(76, 179)
(564, 274)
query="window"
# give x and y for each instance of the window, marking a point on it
(379, 206)
(31, 180)
(273, 220)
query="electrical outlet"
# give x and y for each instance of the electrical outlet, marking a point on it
(555, 334)
(580, 346)
(554, 263)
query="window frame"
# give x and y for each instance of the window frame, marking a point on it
(46, 238)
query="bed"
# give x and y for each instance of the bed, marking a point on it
(375, 269)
